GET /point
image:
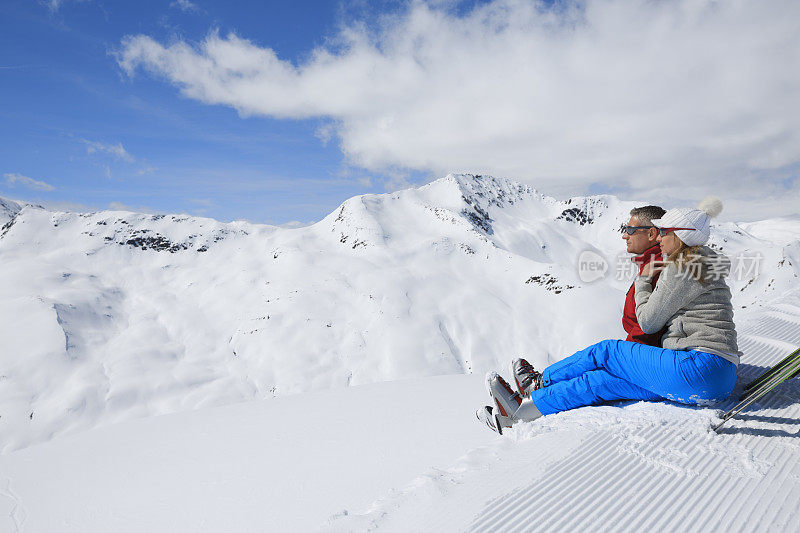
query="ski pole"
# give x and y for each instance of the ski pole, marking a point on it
(760, 379)
(786, 374)
(787, 363)
(790, 371)
(746, 402)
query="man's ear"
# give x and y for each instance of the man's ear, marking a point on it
(652, 233)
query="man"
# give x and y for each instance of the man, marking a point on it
(640, 236)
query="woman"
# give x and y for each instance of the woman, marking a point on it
(699, 355)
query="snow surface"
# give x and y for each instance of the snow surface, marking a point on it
(281, 465)
(109, 319)
(409, 456)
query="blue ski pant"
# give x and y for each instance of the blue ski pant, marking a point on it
(622, 370)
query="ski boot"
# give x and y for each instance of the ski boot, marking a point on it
(496, 422)
(506, 399)
(526, 377)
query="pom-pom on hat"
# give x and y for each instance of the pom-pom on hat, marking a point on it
(697, 219)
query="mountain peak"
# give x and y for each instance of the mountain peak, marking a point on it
(10, 208)
(484, 190)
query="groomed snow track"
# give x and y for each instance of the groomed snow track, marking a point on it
(659, 479)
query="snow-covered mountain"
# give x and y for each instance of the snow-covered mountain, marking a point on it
(9, 209)
(113, 315)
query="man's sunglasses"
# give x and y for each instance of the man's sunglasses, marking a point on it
(630, 230)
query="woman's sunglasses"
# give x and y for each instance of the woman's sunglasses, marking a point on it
(663, 231)
(630, 230)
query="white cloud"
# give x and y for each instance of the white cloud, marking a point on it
(203, 202)
(147, 169)
(120, 206)
(696, 95)
(294, 224)
(13, 179)
(67, 205)
(115, 150)
(55, 5)
(185, 5)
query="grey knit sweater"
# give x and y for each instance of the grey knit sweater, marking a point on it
(698, 316)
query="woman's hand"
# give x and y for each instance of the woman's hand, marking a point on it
(651, 268)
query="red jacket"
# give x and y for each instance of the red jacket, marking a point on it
(629, 321)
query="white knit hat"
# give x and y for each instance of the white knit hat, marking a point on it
(699, 220)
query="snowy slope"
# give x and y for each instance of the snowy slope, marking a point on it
(272, 465)
(111, 316)
(635, 467)
(410, 456)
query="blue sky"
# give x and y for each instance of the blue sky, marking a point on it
(68, 107)
(279, 111)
